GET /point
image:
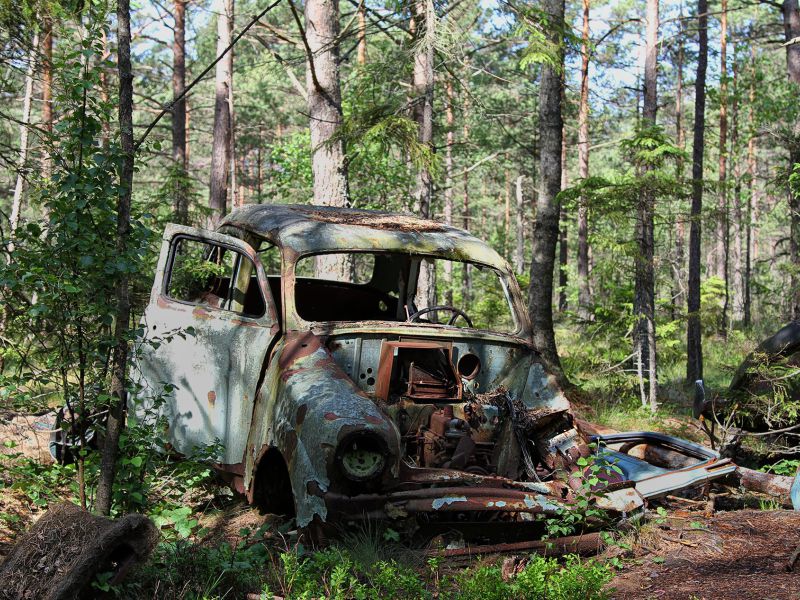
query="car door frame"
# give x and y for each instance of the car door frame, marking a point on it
(225, 353)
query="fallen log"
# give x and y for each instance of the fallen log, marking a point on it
(59, 557)
(766, 483)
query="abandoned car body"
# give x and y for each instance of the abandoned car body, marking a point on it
(341, 384)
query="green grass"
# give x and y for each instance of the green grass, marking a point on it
(597, 359)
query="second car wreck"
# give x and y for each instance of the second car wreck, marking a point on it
(341, 384)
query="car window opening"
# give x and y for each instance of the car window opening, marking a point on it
(214, 276)
(390, 286)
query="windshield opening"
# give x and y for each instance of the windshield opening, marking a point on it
(362, 286)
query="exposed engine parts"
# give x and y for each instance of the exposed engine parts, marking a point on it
(488, 434)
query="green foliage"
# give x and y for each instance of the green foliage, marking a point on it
(537, 27)
(332, 573)
(58, 283)
(41, 483)
(583, 513)
(542, 578)
(773, 397)
(785, 466)
(184, 570)
(712, 301)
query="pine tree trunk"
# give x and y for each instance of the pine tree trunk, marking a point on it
(644, 284)
(791, 25)
(694, 341)
(425, 20)
(519, 250)
(448, 185)
(466, 275)
(584, 291)
(181, 200)
(116, 412)
(328, 160)
(236, 200)
(545, 226)
(563, 249)
(723, 218)
(362, 33)
(751, 187)
(678, 267)
(47, 90)
(221, 142)
(507, 214)
(736, 249)
(19, 188)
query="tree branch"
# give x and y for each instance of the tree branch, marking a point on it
(205, 72)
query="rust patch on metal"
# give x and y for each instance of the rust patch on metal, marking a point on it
(300, 416)
(201, 313)
(314, 490)
(243, 323)
(298, 346)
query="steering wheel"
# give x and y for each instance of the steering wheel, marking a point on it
(457, 312)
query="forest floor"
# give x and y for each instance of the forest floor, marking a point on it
(688, 551)
(739, 554)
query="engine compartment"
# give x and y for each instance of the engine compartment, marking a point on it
(432, 392)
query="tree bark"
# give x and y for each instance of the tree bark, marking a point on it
(181, 200)
(545, 226)
(449, 183)
(466, 275)
(507, 214)
(694, 342)
(47, 90)
(723, 225)
(563, 248)
(362, 33)
(678, 270)
(422, 89)
(519, 250)
(644, 285)
(751, 187)
(116, 412)
(19, 188)
(791, 25)
(328, 158)
(584, 291)
(736, 248)
(328, 162)
(221, 142)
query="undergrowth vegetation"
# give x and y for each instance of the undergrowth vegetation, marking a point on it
(192, 571)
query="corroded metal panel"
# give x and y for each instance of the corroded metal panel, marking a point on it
(213, 358)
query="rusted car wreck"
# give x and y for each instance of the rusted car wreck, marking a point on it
(340, 385)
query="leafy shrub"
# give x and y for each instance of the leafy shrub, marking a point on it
(183, 570)
(332, 573)
(541, 579)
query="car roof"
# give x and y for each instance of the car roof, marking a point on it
(309, 229)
